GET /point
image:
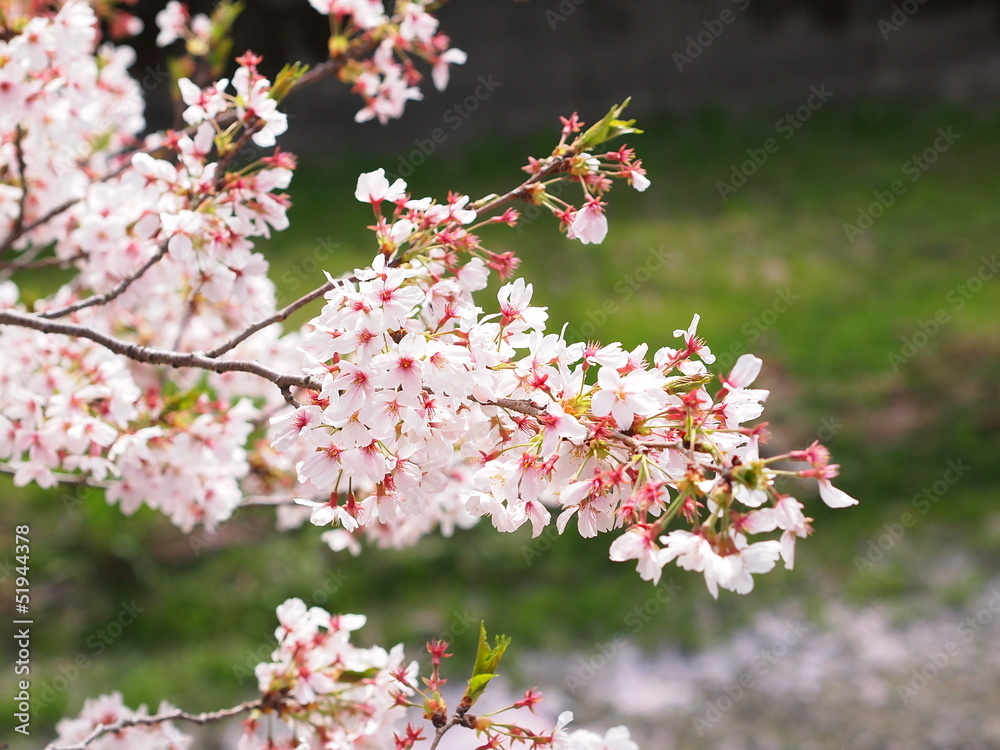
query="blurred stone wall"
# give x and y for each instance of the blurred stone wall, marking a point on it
(533, 60)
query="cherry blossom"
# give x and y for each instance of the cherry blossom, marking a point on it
(589, 225)
(373, 188)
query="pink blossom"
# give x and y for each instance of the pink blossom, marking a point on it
(639, 544)
(373, 187)
(590, 225)
(834, 497)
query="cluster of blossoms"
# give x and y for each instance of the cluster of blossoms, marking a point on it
(595, 174)
(160, 373)
(321, 691)
(160, 233)
(324, 689)
(418, 387)
(160, 236)
(389, 78)
(176, 22)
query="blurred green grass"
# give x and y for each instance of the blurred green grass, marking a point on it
(209, 611)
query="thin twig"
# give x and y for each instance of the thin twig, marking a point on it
(115, 291)
(554, 167)
(25, 263)
(154, 356)
(279, 316)
(176, 715)
(18, 227)
(182, 327)
(72, 480)
(531, 409)
(441, 731)
(62, 207)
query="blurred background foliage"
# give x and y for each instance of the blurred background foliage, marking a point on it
(207, 604)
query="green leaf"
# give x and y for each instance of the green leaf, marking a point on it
(488, 658)
(485, 667)
(286, 78)
(608, 128)
(476, 687)
(355, 676)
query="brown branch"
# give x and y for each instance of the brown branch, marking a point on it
(531, 409)
(520, 405)
(154, 356)
(175, 715)
(115, 291)
(17, 230)
(279, 316)
(442, 730)
(25, 263)
(558, 164)
(70, 480)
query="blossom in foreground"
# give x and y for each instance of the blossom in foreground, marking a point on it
(590, 225)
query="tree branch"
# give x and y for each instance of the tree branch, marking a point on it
(24, 263)
(554, 167)
(531, 409)
(176, 715)
(154, 356)
(279, 316)
(18, 227)
(115, 291)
